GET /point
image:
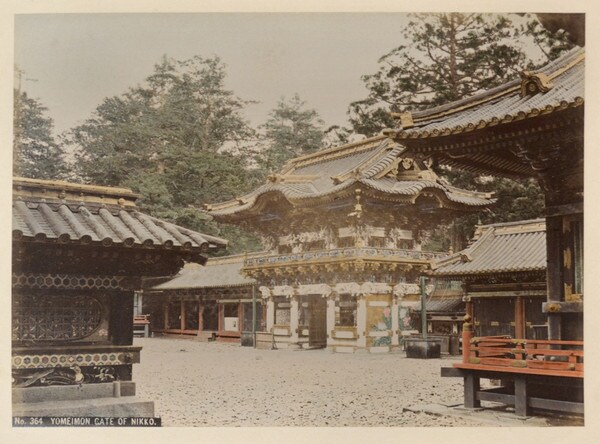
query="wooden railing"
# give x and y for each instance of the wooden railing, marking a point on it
(503, 353)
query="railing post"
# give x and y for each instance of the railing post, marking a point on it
(467, 335)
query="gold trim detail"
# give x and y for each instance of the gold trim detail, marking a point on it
(61, 190)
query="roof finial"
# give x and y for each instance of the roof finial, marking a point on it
(533, 83)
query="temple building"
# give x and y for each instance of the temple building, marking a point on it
(503, 276)
(343, 229)
(529, 127)
(211, 302)
(79, 254)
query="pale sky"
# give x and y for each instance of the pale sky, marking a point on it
(76, 60)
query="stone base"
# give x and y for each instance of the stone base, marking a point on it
(264, 340)
(343, 349)
(384, 349)
(101, 407)
(206, 336)
(115, 399)
(423, 348)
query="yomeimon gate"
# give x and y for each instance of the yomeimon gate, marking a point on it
(79, 253)
(344, 231)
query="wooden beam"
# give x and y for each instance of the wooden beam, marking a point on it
(553, 404)
(562, 307)
(450, 372)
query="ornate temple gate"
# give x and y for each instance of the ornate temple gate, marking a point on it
(343, 228)
(317, 329)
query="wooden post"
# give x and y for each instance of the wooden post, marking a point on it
(467, 335)
(521, 407)
(554, 272)
(182, 315)
(471, 388)
(519, 318)
(200, 317)
(253, 316)
(166, 315)
(423, 308)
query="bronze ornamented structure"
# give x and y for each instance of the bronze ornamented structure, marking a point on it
(79, 253)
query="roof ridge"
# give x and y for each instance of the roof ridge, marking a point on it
(233, 258)
(334, 152)
(572, 58)
(63, 190)
(515, 222)
(380, 152)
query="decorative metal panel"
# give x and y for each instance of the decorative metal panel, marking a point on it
(66, 281)
(42, 318)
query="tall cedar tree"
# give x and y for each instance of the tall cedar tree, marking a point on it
(173, 141)
(449, 57)
(291, 131)
(35, 152)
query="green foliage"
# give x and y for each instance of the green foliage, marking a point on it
(178, 140)
(35, 152)
(516, 200)
(291, 131)
(448, 57)
(552, 45)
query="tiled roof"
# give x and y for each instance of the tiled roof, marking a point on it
(447, 304)
(499, 248)
(221, 272)
(334, 170)
(558, 85)
(56, 211)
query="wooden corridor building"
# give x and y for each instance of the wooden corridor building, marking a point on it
(214, 302)
(503, 275)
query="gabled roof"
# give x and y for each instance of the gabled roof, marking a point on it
(373, 164)
(217, 273)
(63, 212)
(557, 86)
(499, 248)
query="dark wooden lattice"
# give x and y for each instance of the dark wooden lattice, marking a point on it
(54, 318)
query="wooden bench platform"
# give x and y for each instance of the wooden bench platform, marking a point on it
(535, 374)
(141, 325)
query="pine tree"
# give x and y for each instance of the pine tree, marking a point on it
(35, 152)
(448, 57)
(291, 131)
(178, 139)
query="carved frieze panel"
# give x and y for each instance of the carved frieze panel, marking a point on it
(69, 281)
(41, 377)
(50, 360)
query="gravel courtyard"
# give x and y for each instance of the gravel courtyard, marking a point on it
(214, 384)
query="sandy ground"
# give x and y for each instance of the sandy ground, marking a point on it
(214, 384)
